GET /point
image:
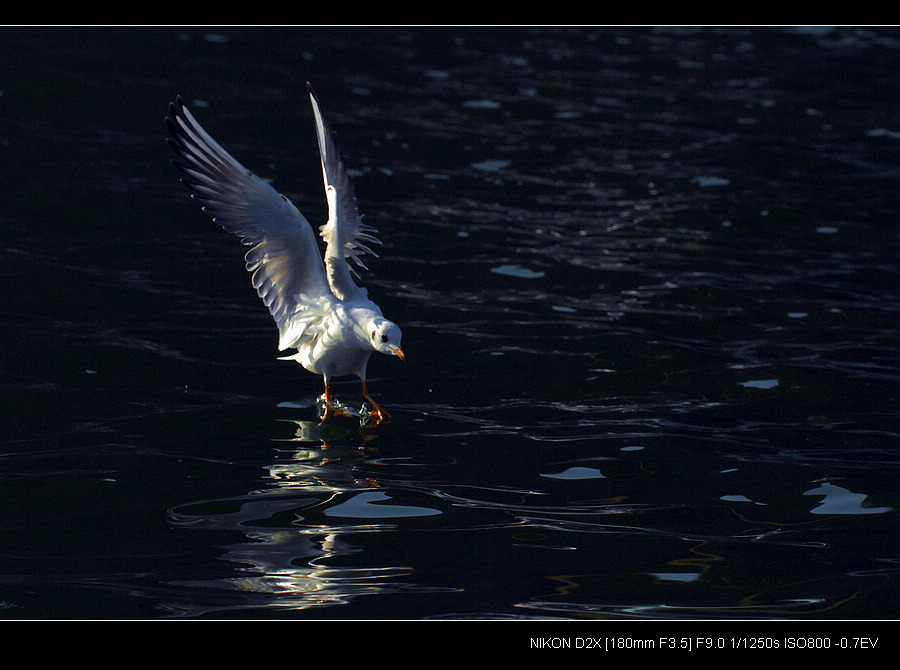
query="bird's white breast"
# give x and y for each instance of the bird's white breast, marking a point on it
(342, 347)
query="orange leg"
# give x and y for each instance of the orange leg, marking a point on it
(330, 409)
(329, 405)
(377, 413)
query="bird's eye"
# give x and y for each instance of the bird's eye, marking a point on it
(384, 338)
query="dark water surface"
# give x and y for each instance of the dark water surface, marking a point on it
(648, 282)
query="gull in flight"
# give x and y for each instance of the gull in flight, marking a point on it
(318, 308)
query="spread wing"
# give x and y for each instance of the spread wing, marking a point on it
(345, 234)
(284, 260)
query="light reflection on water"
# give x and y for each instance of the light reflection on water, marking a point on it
(838, 500)
(331, 490)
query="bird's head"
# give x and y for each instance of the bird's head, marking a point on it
(384, 336)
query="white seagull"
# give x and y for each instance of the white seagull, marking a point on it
(318, 308)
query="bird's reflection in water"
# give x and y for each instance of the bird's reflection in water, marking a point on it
(296, 532)
(324, 457)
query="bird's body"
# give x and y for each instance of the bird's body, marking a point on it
(340, 345)
(318, 308)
